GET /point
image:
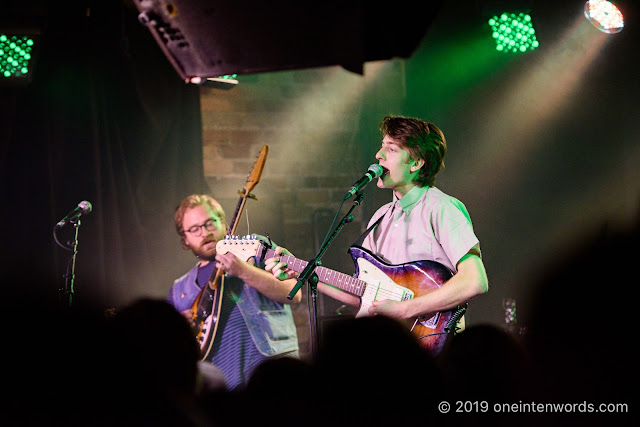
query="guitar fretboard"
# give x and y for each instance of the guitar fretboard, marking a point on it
(347, 283)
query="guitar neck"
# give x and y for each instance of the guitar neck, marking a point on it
(342, 281)
(233, 225)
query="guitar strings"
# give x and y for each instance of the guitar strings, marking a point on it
(246, 213)
(390, 294)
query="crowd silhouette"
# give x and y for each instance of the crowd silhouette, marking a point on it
(71, 366)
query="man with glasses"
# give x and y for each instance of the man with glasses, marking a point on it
(255, 321)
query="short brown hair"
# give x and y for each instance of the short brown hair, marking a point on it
(191, 202)
(422, 140)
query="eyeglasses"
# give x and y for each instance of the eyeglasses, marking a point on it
(196, 230)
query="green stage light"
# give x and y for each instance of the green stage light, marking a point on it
(513, 32)
(604, 15)
(16, 52)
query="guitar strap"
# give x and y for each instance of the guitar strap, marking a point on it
(360, 239)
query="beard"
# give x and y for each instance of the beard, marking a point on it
(206, 250)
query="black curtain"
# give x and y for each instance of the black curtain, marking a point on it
(105, 119)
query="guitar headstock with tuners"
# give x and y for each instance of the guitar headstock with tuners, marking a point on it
(244, 247)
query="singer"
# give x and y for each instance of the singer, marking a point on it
(420, 223)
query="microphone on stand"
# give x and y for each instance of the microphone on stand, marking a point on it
(83, 208)
(375, 170)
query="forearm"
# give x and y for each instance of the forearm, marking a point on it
(339, 295)
(269, 286)
(469, 282)
(442, 299)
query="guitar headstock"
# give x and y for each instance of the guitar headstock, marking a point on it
(244, 247)
(256, 172)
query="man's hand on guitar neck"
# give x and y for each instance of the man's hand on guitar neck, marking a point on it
(275, 288)
(279, 269)
(281, 272)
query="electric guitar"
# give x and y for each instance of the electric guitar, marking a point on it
(207, 305)
(374, 280)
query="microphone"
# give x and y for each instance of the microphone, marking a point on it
(375, 170)
(83, 208)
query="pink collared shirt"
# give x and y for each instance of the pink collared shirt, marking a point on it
(425, 224)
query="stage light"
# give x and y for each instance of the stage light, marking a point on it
(513, 32)
(604, 15)
(17, 53)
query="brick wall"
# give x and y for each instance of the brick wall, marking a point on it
(321, 129)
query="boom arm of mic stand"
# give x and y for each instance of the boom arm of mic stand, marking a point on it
(315, 262)
(308, 274)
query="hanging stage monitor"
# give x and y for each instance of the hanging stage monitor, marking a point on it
(204, 39)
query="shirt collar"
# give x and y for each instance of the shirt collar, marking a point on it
(410, 199)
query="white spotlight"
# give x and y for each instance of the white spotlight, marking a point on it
(604, 15)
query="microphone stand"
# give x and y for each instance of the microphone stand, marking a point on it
(66, 292)
(309, 275)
